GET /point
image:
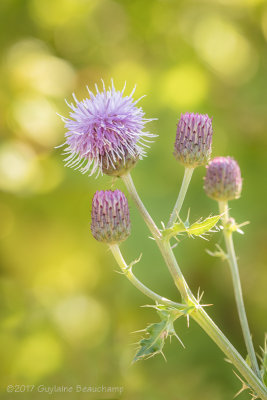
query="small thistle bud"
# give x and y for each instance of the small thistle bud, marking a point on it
(110, 216)
(192, 145)
(223, 179)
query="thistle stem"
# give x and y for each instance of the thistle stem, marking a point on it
(228, 237)
(143, 211)
(188, 172)
(176, 273)
(199, 315)
(127, 271)
(207, 324)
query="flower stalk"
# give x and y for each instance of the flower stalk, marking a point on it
(188, 172)
(228, 237)
(128, 181)
(176, 273)
(127, 271)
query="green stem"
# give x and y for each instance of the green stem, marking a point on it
(176, 273)
(188, 172)
(207, 324)
(127, 271)
(199, 315)
(228, 237)
(143, 211)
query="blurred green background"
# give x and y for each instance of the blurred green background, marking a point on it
(66, 317)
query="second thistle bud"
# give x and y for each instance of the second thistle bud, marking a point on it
(192, 146)
(110, 216)
(223, 179)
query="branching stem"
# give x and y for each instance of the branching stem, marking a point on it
(127, 271)
(199, 315)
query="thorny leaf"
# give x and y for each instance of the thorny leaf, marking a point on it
(155, 334)
(154, 342)
(198, 228)
(201, 227)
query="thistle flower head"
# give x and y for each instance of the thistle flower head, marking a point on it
(192, 146)
(110, 216)
(223, 179)
(105, 132)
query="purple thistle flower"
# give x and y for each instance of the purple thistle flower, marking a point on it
(193, 139)
(223, 179)
(105, 132)
(110, 216)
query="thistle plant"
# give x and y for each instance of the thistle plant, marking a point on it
(105, 135)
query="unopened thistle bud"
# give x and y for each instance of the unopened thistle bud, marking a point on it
(110, 216)
(223, 179)
(192, 146)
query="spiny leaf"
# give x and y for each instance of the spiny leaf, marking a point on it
(201, 227)
(156, 334)
(154, 343)
(198, 228)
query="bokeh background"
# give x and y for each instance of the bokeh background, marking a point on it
(66, 317)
